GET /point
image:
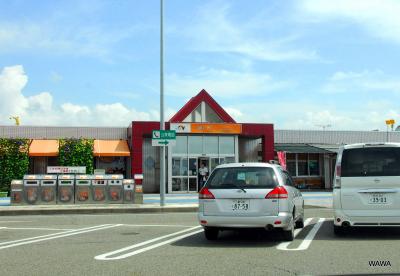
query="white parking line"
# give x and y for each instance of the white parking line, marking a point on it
(6, 221)
(55, 236)
(105, 256)
(157, 225)
(37, 228)
(307, 240)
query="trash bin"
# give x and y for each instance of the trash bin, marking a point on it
(65, 191)
(129, 194)
(48, 186)
(16, 194)
(114, 189)
(99, 189)
(31, 188)
(83, 193)
(138, 194)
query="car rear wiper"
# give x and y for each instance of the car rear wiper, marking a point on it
(234, 185)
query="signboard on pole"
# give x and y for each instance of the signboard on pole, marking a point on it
(163, 138)
(61, 170)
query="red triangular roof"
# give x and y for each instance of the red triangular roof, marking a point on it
(194, 102)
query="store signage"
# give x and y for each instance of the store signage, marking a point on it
(181, 127)
(163, 138)
(216, 128)
(54, 169)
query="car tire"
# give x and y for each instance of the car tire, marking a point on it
(338, 230)
(300, 222)
(211, 233)
(288, 234)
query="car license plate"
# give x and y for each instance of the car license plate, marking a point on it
(240, 205)
(378, 199)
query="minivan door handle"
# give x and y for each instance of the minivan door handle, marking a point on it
(378, 191)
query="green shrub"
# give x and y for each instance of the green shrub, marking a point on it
(76, 152)
(14, 161)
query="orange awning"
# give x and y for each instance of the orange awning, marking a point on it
(43, 148)
(111, 148)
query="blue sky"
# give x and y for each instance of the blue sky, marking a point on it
(296, 64)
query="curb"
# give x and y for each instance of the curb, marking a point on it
(97, 210)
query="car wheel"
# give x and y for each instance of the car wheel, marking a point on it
(300, 222)
(211, 233)
(338, 230)
(288, 234)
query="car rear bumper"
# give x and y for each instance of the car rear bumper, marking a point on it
(282, 220)
(365, 221)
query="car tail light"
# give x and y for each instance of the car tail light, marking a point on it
(205, 194)
(338, 170)
(277, 193)
(338, 173)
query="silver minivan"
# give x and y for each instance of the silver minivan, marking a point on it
(367, 186)
(250, 195)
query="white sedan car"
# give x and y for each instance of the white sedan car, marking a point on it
(250, 195)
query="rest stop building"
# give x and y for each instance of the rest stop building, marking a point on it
(205, 133)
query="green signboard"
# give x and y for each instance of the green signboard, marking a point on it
(163, 138)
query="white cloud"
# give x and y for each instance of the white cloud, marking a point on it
(223, 83)
(73, 39)
(39, 109)
(213, 31)
(379, 17)
(356, 82)
(303, 114)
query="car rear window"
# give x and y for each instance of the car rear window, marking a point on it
(379, 161)
(243, 177)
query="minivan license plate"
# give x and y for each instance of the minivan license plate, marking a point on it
(240, 205)
(378, 199)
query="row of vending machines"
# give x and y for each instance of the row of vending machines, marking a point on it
(74, 189)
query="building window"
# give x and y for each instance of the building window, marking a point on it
(181, 146)
(303, 164)
(313, 164)
(211, 144)
(196, 145)
(227, 145)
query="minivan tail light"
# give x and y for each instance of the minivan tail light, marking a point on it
(206, 194)
(338, 170)
(338, 181)
(277, 193)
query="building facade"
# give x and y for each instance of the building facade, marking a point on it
(206, 134)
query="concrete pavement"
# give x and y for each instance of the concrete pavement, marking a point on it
(173, 244)
(174, 203)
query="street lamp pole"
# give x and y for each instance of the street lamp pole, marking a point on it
(162, 125)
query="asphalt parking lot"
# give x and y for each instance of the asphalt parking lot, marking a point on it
(173, 244)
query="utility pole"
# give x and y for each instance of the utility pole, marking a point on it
(162, 125)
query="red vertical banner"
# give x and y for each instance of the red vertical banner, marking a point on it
(282, 159)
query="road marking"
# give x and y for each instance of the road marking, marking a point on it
(6, 221)
(37, 228)
(157, 225)
(105, 256)
(284, 245)
(305, 244)
(50, 235)
(55, 235)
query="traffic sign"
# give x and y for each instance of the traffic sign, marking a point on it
(163, 138)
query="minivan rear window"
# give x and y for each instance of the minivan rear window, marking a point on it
(242, 178)
(378, 161)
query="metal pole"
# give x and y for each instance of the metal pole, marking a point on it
(387, 133)
(162, 127)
